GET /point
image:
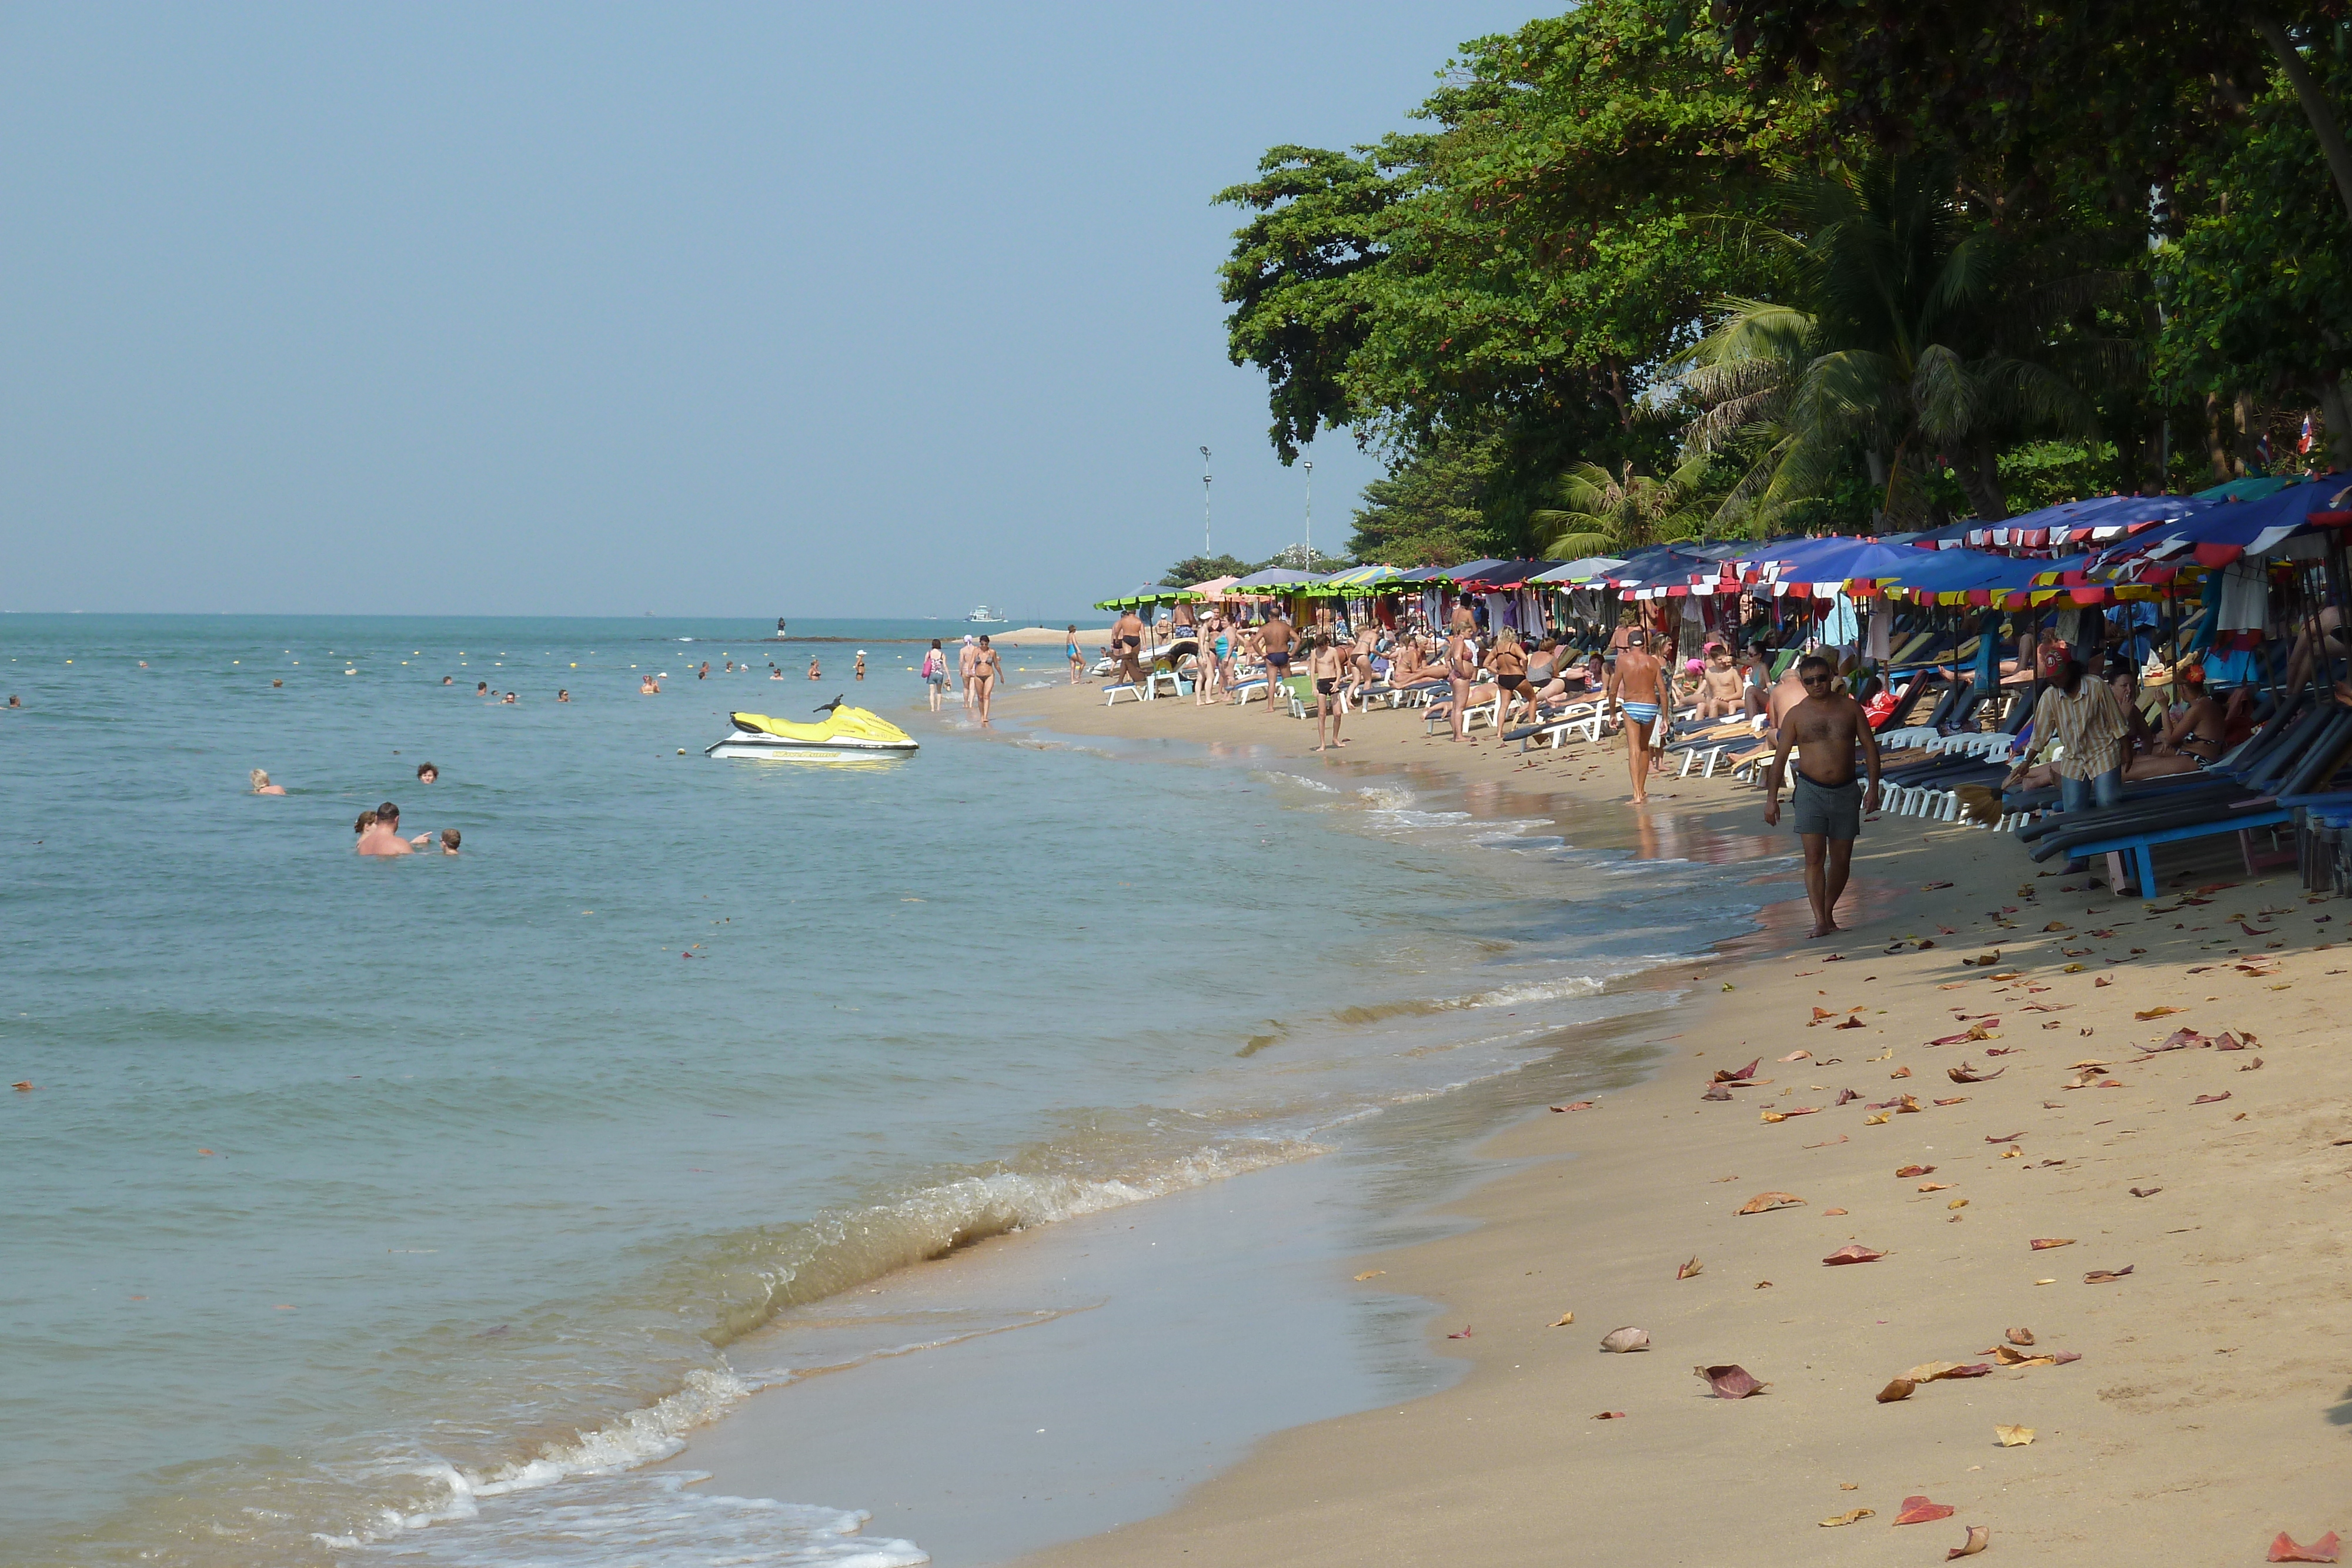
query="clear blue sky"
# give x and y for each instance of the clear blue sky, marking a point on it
(729, 309)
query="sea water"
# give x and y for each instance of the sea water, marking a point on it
(366, 1209)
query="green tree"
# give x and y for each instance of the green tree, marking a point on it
(1195, 569)
(1430, 507)
(1600, 513)
(1912, 335)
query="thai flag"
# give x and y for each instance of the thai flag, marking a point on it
(2302, 443)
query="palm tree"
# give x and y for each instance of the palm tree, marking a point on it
(1906, 333)
(1606, 514)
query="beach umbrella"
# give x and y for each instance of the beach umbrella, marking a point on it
(2076, 522)
(1215, 587)
(1149, 595)
(1576, 573)
(1275, 580)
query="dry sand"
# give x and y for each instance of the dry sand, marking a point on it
(2208, 1409)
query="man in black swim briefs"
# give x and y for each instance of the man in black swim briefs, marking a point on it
(1279, 638)
(1830, 802)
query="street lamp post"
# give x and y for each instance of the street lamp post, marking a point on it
(1204, 501)
(1309, 466)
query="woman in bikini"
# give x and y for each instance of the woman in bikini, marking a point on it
(1509, 664)
(1078, 660)
(1461, 669)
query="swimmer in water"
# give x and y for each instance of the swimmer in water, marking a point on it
(563, 696)
(366, 820)
(481, 688)
(448, 680)
(861, 664)
(648, 687)
(383, 837)
(508, 699)
(427, 773)
(450, 838)
(262, 786)
(12, 702)
(814, 674)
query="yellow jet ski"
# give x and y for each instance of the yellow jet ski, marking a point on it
(845, 732)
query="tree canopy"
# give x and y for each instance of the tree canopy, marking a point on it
(1876, 264)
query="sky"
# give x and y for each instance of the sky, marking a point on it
(763, 309)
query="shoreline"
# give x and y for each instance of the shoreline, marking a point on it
(2207, 1413)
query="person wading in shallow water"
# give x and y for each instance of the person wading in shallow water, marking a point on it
(1641, 692)
(1829, 801)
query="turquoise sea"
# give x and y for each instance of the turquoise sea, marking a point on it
(362, 1208)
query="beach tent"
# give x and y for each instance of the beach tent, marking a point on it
(1151, 594)
(1275, 579)
(1576, 573)
(2074, 524)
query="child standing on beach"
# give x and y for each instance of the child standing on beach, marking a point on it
(1324, 667)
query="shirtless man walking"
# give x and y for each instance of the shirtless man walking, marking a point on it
(1127, 647)
(1278, 638)
(1638, 683)
(1830, 803)
(968, 661)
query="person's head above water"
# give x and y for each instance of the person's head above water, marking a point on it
(388, 815)
(427, 773)
(366, 820)
(450, 839)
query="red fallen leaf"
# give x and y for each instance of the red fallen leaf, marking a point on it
(2012, 1049)
(1846, 1094)
(2104, 980)
(2108, 1276)
(1979, 1537)
(2044, 1243)
(2250, 930)
(2045, 1007)
(1956, 1099)
(1850, 1023)
(1900, 1072)
(1723, 1075)
(2010, 1139)
(1905, 1171)
(1965, 1073)
(2210, 1099)
(1577, 1105)
(1976, 1031)
(1821, 1015)
(1830, 1144)
(1920, 1510)
(1728, 1381)
(1609, 1416)
(2252, 1065)
(2284, 1550)
(1853, 1252)
(1949, 932)
(1463, 1335)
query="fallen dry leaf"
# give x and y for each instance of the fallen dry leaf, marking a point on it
(1900, 1072)
(1829, 1144)
(2018, 1336)
(1878, 1120)
(2013, 1436)
(1979, 1537)
(1690, 1269)
(2108, 1276)
(1724, 1075)
(1920, 1510)
(1624, 1340)
(1463, 1335)
(2043, 1243)
(1957, 1203)
(1901, 1388)
(1577, 1105)
(1933, 1186)
(2104, 980)
(2155, 1013)
(1799, 1055)
(2284, 1550)
(1765, 1202)
(1609, 1416)
(1728, 1381)
(1370, 1274)
(2004, 1138)
(1853, 1252)
(1564, 1320)
(1905, 1171)
(2210, 1099)
(2145, 1191)
(1849, 1517)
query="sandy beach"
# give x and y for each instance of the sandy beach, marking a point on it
(2191, 1406)
(2208, 1409)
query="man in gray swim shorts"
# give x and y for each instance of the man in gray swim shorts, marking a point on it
(1829, 800)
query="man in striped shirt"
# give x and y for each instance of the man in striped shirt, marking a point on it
(2093, 740)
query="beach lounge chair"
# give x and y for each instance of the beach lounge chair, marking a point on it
(1110, 693)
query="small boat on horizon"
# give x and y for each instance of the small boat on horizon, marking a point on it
(982, 615)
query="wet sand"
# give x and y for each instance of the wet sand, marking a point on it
(2208, 1409)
